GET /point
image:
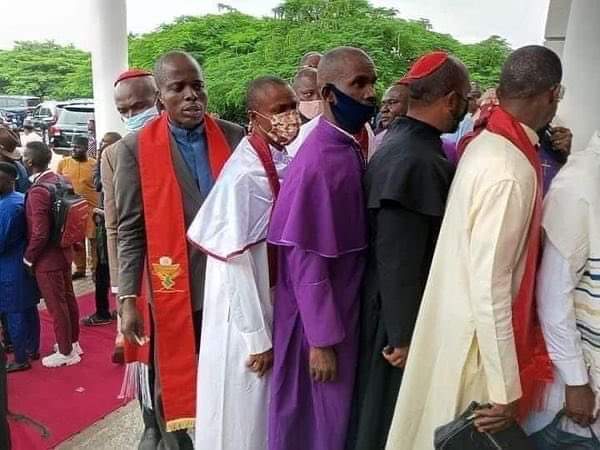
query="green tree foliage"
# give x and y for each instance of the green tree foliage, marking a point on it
(45, 69)
(234, 48)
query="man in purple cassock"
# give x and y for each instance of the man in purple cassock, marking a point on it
(319, 227)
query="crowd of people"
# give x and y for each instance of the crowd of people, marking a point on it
(328, 277)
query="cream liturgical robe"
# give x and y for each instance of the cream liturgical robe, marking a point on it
(231, 227)
(463, 347)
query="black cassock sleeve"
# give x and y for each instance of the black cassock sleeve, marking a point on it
(401, 247)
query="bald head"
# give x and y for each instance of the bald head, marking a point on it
(168, 61)
(135, 95)
(344, 63)
(311, 59)
(109, 139)
(452, 76)
(529, 71)
(262, 90)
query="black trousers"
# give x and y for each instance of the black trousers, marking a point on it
(177, 440)
(5, 334)
(102, 290)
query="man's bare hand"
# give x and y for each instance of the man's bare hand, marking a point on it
(132, 324)
(580, 404)
(396, 356)
(260, 363)
(323, 364)
(496, 418)
(561, 138)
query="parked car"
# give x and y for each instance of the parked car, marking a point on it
(72, 121)
(46, 114)
(7, 121)
(17, 107)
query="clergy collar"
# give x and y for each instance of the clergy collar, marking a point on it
(186, 133)
(423, 125)
(531, 134)
(335, 127)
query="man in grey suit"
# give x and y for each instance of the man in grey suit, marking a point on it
(183, 96)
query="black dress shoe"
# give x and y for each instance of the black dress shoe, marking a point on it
(150, 439)
(16, 367)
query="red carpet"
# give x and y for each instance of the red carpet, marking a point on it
(67, 400)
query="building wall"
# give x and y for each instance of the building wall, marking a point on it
(556, 25)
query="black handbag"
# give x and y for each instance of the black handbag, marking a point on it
(461, 434)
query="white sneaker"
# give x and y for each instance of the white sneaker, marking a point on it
(76, 347)
(58, 360)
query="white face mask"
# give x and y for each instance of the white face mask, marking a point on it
(311, 109)
(137, 122)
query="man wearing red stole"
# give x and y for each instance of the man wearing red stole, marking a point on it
(162, 175)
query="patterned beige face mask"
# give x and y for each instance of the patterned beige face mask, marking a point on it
(284, 126)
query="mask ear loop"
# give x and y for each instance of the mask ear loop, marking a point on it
(257, 124)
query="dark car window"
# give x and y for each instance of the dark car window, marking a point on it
(75, 117)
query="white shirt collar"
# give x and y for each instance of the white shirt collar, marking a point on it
(33, 178)
(340, 130)
(531, 134)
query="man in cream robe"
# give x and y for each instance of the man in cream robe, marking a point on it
(463, 347)
(231, 228)
(568, 291)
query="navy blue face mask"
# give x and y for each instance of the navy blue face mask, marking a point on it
(350, 114)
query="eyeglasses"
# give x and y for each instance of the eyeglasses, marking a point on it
(560, 91)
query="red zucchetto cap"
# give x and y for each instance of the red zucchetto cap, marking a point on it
(424, 66)
(132, 73)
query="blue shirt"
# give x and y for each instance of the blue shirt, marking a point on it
(194, 150)
(18, 290)
(22, 184)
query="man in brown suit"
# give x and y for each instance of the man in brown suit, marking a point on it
(182, 93)
(135, 97)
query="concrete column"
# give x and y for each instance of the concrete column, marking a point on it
(109, 59)
(556, 25)
(580, 109)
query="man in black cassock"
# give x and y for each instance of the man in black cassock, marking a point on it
(406, 186)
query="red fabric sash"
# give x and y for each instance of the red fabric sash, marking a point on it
(167, 269)
(264, 154)
(535, 367)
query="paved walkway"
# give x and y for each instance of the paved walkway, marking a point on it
(119, 430)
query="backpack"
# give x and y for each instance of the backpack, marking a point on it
(69, 213)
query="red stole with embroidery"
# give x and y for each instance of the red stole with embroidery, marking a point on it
(167, 269)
